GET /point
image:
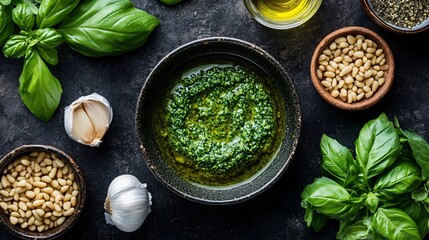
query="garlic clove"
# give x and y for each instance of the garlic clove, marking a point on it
(87, 119)
(98, 113)
(82, 126)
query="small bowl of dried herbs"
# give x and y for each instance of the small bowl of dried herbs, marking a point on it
(399, 16)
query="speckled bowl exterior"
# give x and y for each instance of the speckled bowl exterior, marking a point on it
(149, 100)
(68, 223)
(366, 5)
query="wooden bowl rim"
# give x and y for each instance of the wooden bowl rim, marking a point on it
(71, 220)
(380, 22)
(381, 91)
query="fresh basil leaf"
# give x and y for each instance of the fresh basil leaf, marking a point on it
(336, 158)
(5, 2)
(171, 2)
(108, 27)
(6, 23)
(394, 224)
(52, 12)
(23, 16)
(418, 213)
(420, 149)
(329, 198)
(48, 37)
(371, 202)
(403, 178)
(420, 194)
(39, 89)
(353, 230)
(377, 147)
(49, 55)
(315, 219)
(354, 180)
(15, 47)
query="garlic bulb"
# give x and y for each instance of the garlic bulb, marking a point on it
(87, 119)
(127, 203)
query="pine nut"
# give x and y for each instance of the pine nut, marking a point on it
(359, 44)
(329, 68)
(351, 40)
(333, 64)
(327, 52)
(349, 80)
(368, 94)
(22, 206)
(369, 82)
(374, 86)
(349, 99)
(13, 220)
(358, 54)
(326, 74)
(344, 45)
(367, 65)
(319, 74)
(38, 203)
(60, 221)
(366, 89)
(346, 70)
(39, 184)
(69, 212)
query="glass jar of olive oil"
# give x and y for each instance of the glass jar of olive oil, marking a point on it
(282, 14)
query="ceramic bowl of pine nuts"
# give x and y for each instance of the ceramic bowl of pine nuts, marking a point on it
(42, 192)
(352, 68)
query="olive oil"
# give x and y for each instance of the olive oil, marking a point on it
(281, 10)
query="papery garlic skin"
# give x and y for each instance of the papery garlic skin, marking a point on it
(127, 203)
(87, 119)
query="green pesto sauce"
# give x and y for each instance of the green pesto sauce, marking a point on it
(219, 125)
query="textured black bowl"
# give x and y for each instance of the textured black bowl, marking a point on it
(69, 222)
(201, 50)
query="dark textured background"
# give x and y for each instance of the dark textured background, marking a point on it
(275, 214)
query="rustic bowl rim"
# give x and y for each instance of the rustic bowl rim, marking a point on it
(381, 91)
(389, 27)
(71, 220)
(296, 122)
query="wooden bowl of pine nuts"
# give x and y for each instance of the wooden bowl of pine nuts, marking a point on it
(352, 68)
(42, 192)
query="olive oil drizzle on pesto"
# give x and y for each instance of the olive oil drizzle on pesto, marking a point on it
(219, 121)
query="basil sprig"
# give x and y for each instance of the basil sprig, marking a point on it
(107, 27)
(93, 28)
(382, 194)
(6, 23)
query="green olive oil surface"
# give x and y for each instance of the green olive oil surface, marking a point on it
(281, 10)
(219, 124)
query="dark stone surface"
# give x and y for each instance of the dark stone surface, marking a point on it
(275, 214)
